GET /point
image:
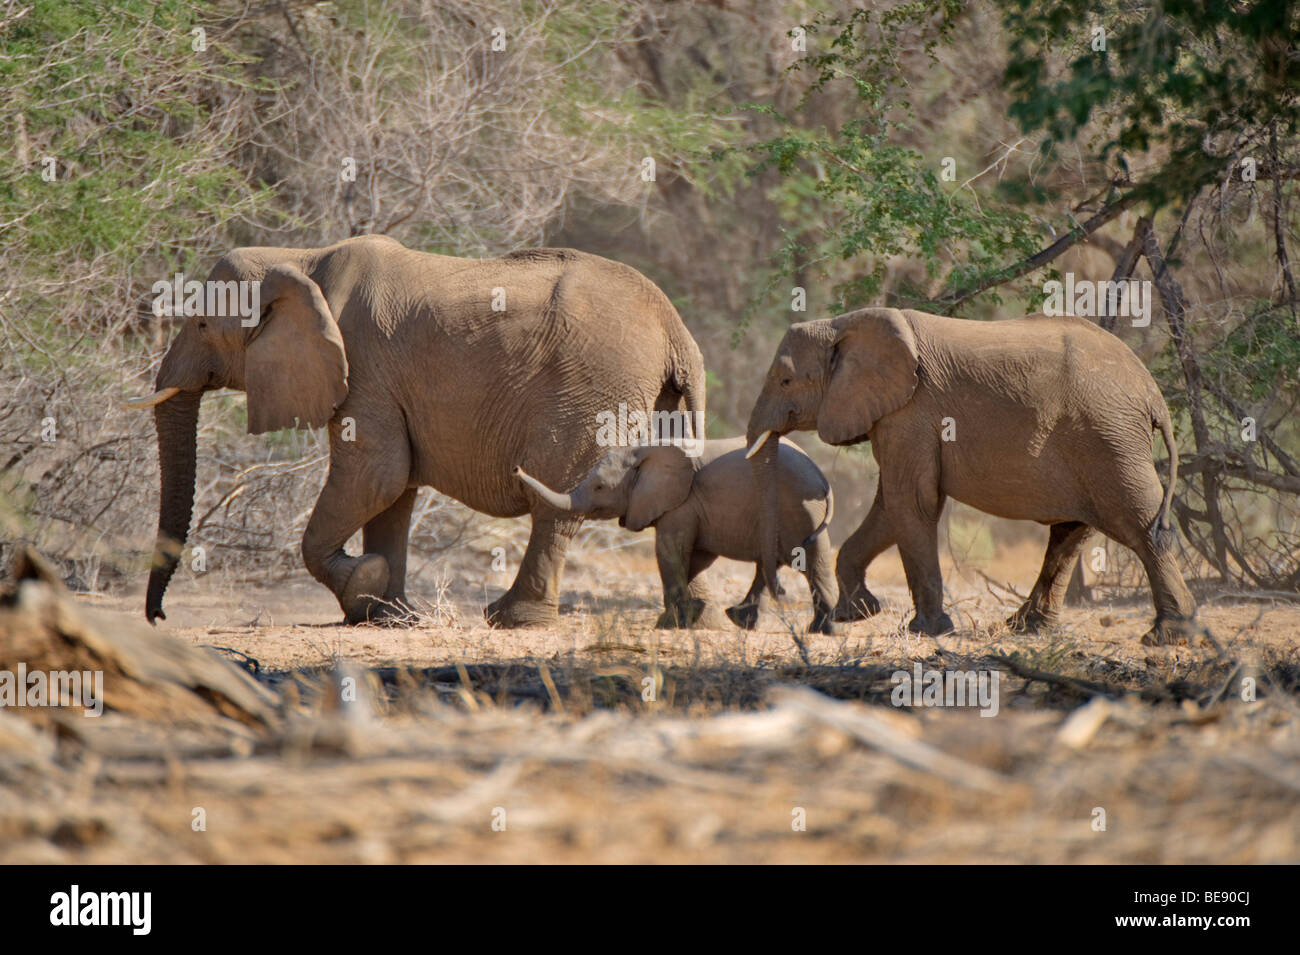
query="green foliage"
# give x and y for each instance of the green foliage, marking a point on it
(1259, 355)
(1188, 80)
(113, 93)
(856, 194)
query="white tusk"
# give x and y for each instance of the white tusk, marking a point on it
(758, 443)
(157, 398)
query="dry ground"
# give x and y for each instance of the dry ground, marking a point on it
(546, 735)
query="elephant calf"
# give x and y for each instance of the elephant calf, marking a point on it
(703, 508)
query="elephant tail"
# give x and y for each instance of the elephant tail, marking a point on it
(688, 378)
(826, 521)
(1162, 530)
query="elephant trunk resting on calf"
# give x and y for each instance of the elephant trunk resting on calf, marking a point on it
(1037, 418)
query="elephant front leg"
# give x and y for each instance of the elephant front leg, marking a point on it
(682, 608)
(359, 583)
(533, 600)
(387, 535)
(745, 614)
(918, 545)
(871, 538)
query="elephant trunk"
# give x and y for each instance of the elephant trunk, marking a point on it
(176, 421)
(569, 503)
(763, 438)
(764, 467)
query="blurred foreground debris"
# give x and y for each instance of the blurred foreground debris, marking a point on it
(145, 673)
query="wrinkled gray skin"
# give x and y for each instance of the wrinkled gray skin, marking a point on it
(702, 508)
(1053, 420)
(435, 389)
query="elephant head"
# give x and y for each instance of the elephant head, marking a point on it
(289, 359)
(836, 376)
(637, 485)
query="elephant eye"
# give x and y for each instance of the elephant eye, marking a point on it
(203, 324)
(785, 382)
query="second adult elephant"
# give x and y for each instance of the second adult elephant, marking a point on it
(428, 370)
(1042, 419)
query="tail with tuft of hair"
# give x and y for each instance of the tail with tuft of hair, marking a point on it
(1163, 534)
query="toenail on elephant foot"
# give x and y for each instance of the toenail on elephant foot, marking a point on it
(507, 613)
(1030, 620)
(361, 594)
(934, 626)
(744, 616)
(1170, 631)
(858, 606)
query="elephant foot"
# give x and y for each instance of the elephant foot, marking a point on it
(859, 605)
(934, 626)
(361, 594)
(1170, 631)
(1031, 619)
(512, 613)
(691, 614)
(744, 616)
(824, 623)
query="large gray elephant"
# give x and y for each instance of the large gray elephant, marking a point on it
(428, 370)
(1042, 419)
(702, 507)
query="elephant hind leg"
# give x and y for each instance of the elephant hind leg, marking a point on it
(533, 599)
(1175, 607)
(1043, 605)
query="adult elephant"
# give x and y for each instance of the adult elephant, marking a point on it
(428, 370)
(1042, 419)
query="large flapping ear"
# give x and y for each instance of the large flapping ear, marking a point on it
(295, 366)
(873, 372)
(663, 481)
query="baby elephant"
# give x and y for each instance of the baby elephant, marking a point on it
(705, 507)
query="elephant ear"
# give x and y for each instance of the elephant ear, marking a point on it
(295, 367)
(663, 481)
(873, 373)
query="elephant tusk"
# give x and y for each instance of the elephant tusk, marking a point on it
(561, 502)
(758, 443)
(157, 398)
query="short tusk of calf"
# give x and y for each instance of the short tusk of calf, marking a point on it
(157, 398)
(758, 443)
